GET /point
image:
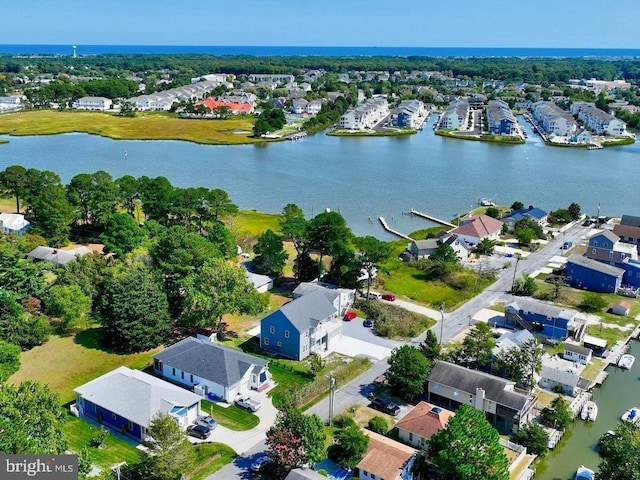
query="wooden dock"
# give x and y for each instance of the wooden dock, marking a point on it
(391, 230)
(429, 217)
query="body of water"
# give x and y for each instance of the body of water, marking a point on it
(620, 392)
(331, 51)
(362, 178)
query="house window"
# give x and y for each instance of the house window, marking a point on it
(593, 251)
(272, 329)
(266, 340)
(182, 375)
(610, 254)
(279, 344)
(130, 425)
(113, 416)
(93, 407)
(191, 377)
(174, 371)
(411, 436)
(286, 334)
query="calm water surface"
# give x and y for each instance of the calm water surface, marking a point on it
(620, 392)
(362, 178)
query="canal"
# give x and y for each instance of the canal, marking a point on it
(619, 392)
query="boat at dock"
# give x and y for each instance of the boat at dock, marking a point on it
(589, 412)
(584, 473)
(632, 415)
(626, 361)
(487, 202)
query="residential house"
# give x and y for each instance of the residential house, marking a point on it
(631, 276)
(410, 113)
(365, 116)
(506, 407)
(571, 383)
(278, 78)
(628, 229)
(598, 121)
(386, 459)
(211, 369)
(306, 325)
(581, 135)
(235, 107)
(425, 248)
(417, 426)
(593, 275)
(510, 340)
(299, 106)
(456, 116)
(262, 283)
(544, 319)
(93, 103)
(597, 345)
(13, 223)
(553, 120)
(476, 228)
(304, 474)
(126, 401)
(621, 308)
(605, 246)
(577, 353)
(533, 213)
(57, 256)
(313, 107)
(341, 298)
(500, 119)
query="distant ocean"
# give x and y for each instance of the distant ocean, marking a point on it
(263, 51)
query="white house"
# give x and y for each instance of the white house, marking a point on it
(365, 116)
(577, 353)
(211, 369)
(93, 103)
(13, 223)
(456, 116)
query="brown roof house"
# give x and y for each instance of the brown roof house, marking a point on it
(628, 229)
(386, 459)
(476, 228)
(417, 426)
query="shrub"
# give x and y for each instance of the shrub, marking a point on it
(592, 302)
(343, 421)
(323, 472)
(378, 424)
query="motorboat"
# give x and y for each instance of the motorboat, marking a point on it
(589, 411)
(631, 415)
(626, 361)
(584, 473)
(487, 202)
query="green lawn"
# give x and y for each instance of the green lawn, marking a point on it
(209, 458)
(65, 363)
(232, 417)
(144, 126)
(253, 223)
(79, 434)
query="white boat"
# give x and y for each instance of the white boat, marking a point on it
(626, 361)
(631, 415)
(589, 411)
(585, 473)
(487, 202)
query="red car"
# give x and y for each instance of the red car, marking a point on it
(349, 316)
(389, 297)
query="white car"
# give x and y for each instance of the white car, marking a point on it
(248, 403)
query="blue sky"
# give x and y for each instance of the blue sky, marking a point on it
(411, 23)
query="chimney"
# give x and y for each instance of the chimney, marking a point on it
(479, 400)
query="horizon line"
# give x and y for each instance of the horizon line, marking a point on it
(314, 46)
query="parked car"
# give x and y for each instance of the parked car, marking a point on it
(259, 463)
(588, 222)
(350, 315)
(567, 245)
(390, 297)
(385, 406)
(368, 323)
(206, 421)
(199, 431)
(373, 296)
(248, 403)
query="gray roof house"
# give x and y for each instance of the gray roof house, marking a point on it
(505, 406)
(342, 298)
(211, 369)
(57, 256)
(304, 474)
(425, 248)
(308, 324)
(570, 383)
(126, 400)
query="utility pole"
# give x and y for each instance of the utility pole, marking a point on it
(515, 271)
(332, 386)
(441, 322)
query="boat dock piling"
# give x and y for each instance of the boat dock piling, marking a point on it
(429, 217)
(391, 230)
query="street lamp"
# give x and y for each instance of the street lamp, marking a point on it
(332, 386)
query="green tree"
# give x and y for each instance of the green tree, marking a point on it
(592, 303)
(372, 253)
(9, 360)
(408, 370)
(378, 424)
(32, 420)
(351, 445)
(558, 415)
(517, 205)
(13, 181)
(445, 254)
(620, 453)
(19, 275)
(128, 190)
(285, 450)
(86, 272)
(492, 212)
(532, 436)
(122, 234)
(485, 246)
(156, 195)
(574, 211)
(68, 303)
(133, 309)
(20, 327)
(220, 236)
(170, 453)
(328, 233)
(520, 364)
(84, 463)
(469, 448)
(48, 206)
(271, 257)
(217, 289)
(476, 347)
(127, 109)
(525, 286)
(430, 347)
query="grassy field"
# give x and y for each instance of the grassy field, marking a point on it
(209, 458)
(232, 417)
(252, 223)
(144, 126)
(65, 363)
(2, 140)
(79, 434)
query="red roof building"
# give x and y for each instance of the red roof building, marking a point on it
(235, 108)
(417, 426)
(476, 228)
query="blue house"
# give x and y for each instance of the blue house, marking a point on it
(583, 272)
(126, 401)
(631, 276)
(536, 214)
(13, 223)
(308, 324)
(544, 319)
